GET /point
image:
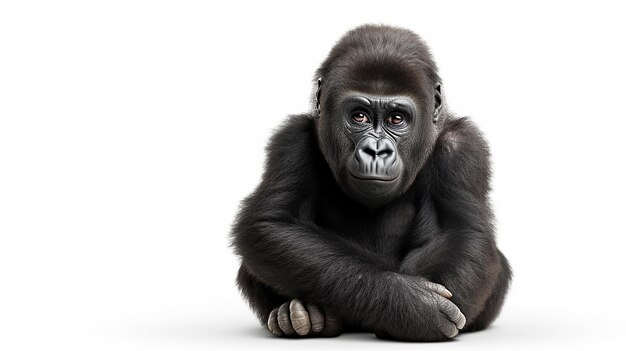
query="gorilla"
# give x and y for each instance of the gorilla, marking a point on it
(373, 212)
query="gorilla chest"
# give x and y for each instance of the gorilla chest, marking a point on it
(385, 230)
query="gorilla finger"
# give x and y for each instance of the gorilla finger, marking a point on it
(317, 318)
(451, 311)
(283, 319)
(299, 317)
(272, 323)
(448, 329)
(439, 289)
(461, 323)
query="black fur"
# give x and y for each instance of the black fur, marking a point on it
(300, 235)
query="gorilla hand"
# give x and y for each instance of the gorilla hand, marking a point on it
(430, 315)
(294, 320)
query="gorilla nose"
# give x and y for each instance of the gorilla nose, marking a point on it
(372, 149)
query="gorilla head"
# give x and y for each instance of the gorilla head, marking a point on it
(378, 101)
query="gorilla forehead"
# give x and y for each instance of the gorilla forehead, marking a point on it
(376, 78)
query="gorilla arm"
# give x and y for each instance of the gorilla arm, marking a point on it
(455, 223)
(301, 260)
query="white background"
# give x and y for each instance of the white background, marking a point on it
(130, 131)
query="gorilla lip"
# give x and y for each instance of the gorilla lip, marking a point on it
(374, 178)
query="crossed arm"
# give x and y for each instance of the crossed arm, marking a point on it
(301, 260)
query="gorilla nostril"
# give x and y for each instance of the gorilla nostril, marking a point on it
(384, 153)
(370, 151)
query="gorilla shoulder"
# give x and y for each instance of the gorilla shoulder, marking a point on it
(290, 149)
(462, 156)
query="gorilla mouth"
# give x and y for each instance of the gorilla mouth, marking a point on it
(374, 177)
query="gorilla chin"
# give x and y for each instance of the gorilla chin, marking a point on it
(372, 190)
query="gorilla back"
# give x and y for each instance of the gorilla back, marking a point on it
(373, 212)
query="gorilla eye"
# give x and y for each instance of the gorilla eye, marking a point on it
(360, 117)
(395, 119)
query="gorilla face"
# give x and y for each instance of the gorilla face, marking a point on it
(374, 125)
(378, 143)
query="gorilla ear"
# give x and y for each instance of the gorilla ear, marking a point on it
(318, 93)
(438, 102)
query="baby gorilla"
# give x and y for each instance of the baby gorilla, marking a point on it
(373, 211)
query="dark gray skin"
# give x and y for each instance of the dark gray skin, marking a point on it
(375, 125)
